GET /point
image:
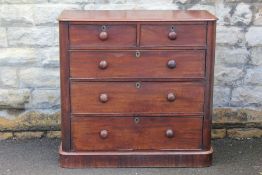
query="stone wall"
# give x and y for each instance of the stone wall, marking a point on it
(29, 63)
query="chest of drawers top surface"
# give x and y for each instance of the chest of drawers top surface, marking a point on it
(136, 88)
(136, 15)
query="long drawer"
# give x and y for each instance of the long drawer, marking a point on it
(136, 97)
(136, 133)
(137, 64)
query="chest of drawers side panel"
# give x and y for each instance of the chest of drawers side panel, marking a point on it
(210, 61)
(64, 83)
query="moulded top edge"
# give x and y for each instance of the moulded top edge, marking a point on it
(136, 15)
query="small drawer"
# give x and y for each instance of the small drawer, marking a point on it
(136, 97)
(136, 133)
(102, 36)
(138, 64)
(168, 35)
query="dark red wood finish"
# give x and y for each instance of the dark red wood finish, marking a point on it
(127, 97)
(136, 88)
(153, 35)
(126, 64)
(89, 36)
(136, 133)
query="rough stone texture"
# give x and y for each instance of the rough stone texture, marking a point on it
(16, 15)
(36, 36)
(218, 133)
(49, 57)
(42, 99)
(242, 15)
(53, 134)
(258, 16)
(17, 56)
(8, 77)
(254, 36)
(228, 75)
(221, 96)
(30, 121)
(233, 56)
(254, 76)
(6, 135)
(230, 35)
(237, 117)
(29, 59)
(10, 98)
(247, 95)
(28, 135)
(256, 53)
(239, 133)
(39, 77)
(3, 38)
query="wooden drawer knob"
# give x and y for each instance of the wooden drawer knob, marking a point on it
(103, 64)
(169, 133)
(171, 64)
(104, 134)
(171, 97)
(103, 98)
(103, 35)
(172, 35)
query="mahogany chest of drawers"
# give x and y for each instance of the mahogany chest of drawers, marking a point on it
(136, 88)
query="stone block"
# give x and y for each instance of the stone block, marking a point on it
(228, 75)
(49, 56)
(221, 96)
(254, 76)
(45, 99)
(229, 55)
(3, 37)
(239, 133)
(53, 134)
(242, 15)
(8, 77)
(223, 13)
(247, 95)
(16, 15)
(255, 55)
(236, 117)
(28, 135)
(39, 77)
(33, 36)
(258, 15)
(254, 36)
(218, 133)
(6, 135)
(38, 120)
(17, 56)
(14, 98)
(230, 35)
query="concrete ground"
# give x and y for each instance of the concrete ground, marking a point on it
(39, 157)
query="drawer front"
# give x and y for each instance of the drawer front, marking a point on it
(99, 36)
(138, 64)
(177, 35)
(131, 133)
(136, 97)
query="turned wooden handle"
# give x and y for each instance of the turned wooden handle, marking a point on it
(172, 35)
(171, 64)
(103, 134)
(169, 133)
(103, 98)
(103, 64)
(103, 35)
(171, 97)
